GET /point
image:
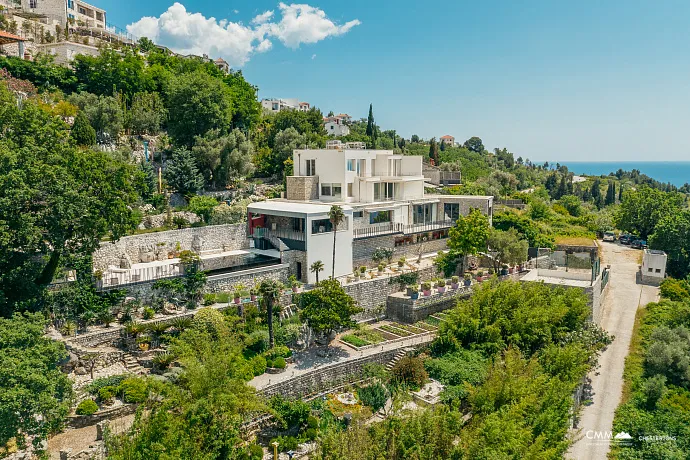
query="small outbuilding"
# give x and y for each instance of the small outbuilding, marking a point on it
(653, 269)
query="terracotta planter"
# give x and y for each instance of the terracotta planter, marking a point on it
(480, 279)
(427, 293)
(511, 270)
(237, 300)
(454, 285)
(253, 297)
(441, 290)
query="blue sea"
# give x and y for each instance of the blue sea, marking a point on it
(675, 172)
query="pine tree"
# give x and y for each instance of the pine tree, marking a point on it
(182, 174)
(150, 182)
(82, 131)
(620, 194)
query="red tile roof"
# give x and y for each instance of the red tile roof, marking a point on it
(6, 38)
(447, 137)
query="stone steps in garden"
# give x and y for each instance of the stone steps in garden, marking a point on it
(398, 356)
(132, 365)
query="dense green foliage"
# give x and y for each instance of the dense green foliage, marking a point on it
(327, 307)
(655, 409)
(34, 393)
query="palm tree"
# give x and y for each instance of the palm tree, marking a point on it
(316, 267)
(336, 216)
(270, 293)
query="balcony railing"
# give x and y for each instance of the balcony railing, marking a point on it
(282, 233)
(390, 228)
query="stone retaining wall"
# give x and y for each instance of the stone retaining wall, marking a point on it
(370, 294)
(227, 237)
(328, 377)
(80, 421)
(363, 248)
(407, 310)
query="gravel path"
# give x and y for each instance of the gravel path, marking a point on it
(620, 305)
(80, 438)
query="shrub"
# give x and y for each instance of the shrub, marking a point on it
(256, 452)
(310, 434)
(112, 381)
(654, 389)
(257, 341)
(410, 371)
(674, 289)
(279, 351)
(286, 443)
(211, 321)
(133, 390)
(148, 313)
(312, 422)
(209, 299)
(163, 360)
(269, 363)
(258, 364)
(279, 363)
(106, 394)
(87, 407)
(374, 396)
(223, 297)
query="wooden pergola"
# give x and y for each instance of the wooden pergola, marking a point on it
(7, 38)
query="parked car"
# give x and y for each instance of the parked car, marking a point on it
(609, 236)
(638, 244)
(625, 238)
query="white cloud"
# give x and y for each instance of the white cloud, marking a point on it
(306, 24)
(263, 18)
(193, 33)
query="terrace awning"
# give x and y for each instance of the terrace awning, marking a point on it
(7, 38)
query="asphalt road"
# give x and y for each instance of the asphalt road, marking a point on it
(619, 307)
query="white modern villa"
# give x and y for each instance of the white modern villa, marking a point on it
(383, 200)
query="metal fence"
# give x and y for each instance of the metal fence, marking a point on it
(395, 227)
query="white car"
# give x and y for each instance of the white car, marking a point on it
(609, 236)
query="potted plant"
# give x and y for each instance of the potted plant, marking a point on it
(381, 267)
(426, 288)
(441, 285)
(504, 270)
(253, 292)
(237, 296)
(295, 285)
(401, 262)
(492, 272)
(511, 270)
(468, 280)
(454, 282)
(362, 271)
(480, 276)
(413, 291)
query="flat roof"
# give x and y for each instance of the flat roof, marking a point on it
(295, 207)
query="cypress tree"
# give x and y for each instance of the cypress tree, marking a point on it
(82, 131)
(370, 122)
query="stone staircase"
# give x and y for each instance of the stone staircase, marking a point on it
(398, 356)
(132, 364)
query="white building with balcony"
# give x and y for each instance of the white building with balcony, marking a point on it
(383, 199)
(336, 126)
(276, 105)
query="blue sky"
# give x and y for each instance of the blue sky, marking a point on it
(549, 80)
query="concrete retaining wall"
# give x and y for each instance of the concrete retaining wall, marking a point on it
(407, 310)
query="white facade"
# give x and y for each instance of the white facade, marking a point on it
(276, 105)
(337, 126)
(653, 265)
(381, 193)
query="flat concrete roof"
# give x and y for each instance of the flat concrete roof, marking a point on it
(533, 275)
(294, 207)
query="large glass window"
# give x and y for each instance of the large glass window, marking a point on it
(321, 226)
(311, 167)
(351, 165)
(380, 217)
(451, 211)
(334, 190)
(384, 191)
(423, 213)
